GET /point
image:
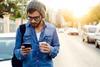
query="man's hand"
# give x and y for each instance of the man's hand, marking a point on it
(45, 47)
(24, 50)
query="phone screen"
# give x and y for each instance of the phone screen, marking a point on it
(27, 45)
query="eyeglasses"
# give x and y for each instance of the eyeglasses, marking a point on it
(36, 18)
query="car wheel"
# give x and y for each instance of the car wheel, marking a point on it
(88, 41)
(83, 40)
(97, 46)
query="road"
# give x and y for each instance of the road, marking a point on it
(75, 53)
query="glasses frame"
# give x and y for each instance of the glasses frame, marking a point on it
(36, 18)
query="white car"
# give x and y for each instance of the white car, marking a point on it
(72, 31)
(97, 36)
(60, 30)
(7, 41)
(88, 33)
(5, 63)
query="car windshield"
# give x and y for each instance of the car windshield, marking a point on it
(6, 47)
(92, 30)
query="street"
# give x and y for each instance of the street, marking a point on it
(75, 53)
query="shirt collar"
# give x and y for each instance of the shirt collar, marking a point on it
(45, 25)
(28, 24)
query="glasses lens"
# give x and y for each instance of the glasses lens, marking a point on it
(36, 18)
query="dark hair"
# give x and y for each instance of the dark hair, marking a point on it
(36, 6)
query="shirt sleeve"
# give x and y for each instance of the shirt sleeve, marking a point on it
(18, 45)
(54, 45)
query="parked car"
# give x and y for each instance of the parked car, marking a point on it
(72, 31)
(97, 43)
(97, 37)
(88, 33)
(7, 41)
(60, 30)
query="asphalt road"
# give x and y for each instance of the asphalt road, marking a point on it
(75, 53)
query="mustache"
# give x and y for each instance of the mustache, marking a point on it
(34, 22)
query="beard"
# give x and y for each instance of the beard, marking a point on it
(34, 24)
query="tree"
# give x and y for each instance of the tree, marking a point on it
(92, 16)
(95, 13)
(1, 0)
(16, 8)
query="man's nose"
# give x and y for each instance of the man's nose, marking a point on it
(33, 20)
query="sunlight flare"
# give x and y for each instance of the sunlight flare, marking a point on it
(77, 7)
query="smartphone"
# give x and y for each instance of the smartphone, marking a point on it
(27, 45)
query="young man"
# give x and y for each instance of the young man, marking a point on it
(42, 37)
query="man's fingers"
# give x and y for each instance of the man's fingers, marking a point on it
(28, 48)
(24, 54)
(24, 50)
(45, 50)
(22, 47)
(43, 46)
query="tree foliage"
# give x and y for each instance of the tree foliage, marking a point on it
(13, 7)
(92, 16)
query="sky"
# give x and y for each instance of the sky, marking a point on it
(78, 7)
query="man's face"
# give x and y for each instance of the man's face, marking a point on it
(34, 18)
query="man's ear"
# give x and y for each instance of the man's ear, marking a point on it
(43, 19)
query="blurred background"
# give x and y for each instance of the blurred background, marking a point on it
(77, 23)
(62, 13)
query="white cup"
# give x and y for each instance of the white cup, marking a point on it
(42, 43)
